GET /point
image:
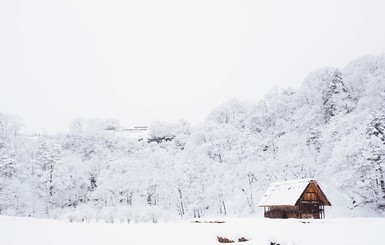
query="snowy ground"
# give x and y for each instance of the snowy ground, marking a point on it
(259, 231)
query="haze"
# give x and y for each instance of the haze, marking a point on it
(139, 61)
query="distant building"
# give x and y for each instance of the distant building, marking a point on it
(301, 198)
(139, 132)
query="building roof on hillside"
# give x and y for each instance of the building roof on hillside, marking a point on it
(287, 193)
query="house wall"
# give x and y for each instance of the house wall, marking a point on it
(310, 203)
(303, 211)
(282, 212)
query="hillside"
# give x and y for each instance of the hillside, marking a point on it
(332, 129)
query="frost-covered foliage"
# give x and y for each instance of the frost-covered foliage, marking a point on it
(332, 129)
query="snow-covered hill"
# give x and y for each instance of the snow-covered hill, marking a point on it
(332, 129)
(16, 231)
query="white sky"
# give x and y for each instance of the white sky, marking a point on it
(139, 61)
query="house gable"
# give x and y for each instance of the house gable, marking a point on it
(313, 194)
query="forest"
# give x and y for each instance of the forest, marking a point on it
(331, 128)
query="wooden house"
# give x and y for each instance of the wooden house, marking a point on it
(302, 198)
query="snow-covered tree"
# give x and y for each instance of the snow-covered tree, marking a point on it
(332, 128)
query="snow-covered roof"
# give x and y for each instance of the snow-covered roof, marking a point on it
(284, 193)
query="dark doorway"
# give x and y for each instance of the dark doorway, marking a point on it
(310, 210)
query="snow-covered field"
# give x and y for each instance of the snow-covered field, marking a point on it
(15, 230)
